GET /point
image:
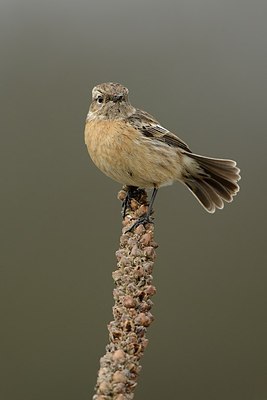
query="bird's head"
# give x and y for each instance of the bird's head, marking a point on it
(110, 101)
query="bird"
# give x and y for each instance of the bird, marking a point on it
(130, 146)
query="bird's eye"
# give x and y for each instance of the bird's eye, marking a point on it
(100, 99)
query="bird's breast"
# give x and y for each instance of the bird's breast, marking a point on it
(123, 153)
(110, 145)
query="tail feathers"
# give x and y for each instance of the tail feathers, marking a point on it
(213, 181)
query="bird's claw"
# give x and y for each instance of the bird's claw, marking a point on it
(144, 219)
(132, 193)
(125, 204)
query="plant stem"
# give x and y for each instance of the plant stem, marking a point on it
(120, 366)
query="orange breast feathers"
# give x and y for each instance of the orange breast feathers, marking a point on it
(127, 156)
(110, 145)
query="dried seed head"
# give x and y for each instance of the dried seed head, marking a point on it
(146, 238)
(128, 325)
(141, 210)
(119, 356)
(120, 397)
(136, 252)
(150, 252)
(129, 302)
(122, 195)
(140, 229)
(145, 306)
(102, 371)
(119, 254)
(148, 267)
(134, 204)
(118, 388)
(120, 366)
(138, 271)
(125, 222)
(116, 275)
(142, 319)
(104, 387)
(150, 290)
(99, 397)
(119, 377)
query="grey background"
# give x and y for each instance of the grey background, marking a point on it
(200, 67)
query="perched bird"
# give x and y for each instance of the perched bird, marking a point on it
(131, 147)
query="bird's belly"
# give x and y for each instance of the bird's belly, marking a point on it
(123, 154)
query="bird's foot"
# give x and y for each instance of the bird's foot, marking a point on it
(144, 219)
(132, 193)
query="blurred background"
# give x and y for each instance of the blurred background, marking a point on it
(200, 67)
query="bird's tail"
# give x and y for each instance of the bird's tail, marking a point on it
(212, 180)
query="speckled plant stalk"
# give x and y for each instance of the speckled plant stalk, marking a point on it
(120, 366)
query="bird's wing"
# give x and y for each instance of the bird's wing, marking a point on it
(151, 128)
